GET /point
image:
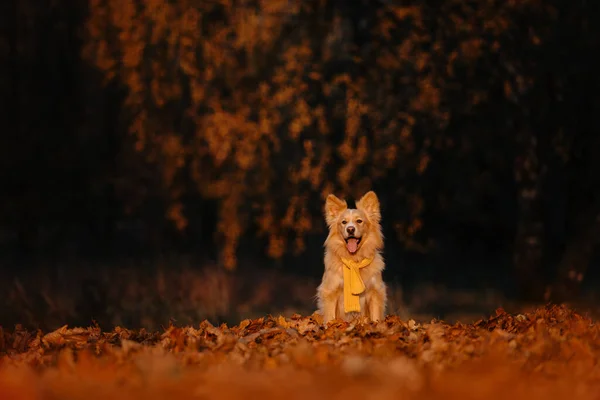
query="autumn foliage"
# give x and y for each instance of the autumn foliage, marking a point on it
(551, 353)
(267, 106)
(227, 121)
(217, 127)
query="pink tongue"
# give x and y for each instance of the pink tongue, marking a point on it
(352, 245)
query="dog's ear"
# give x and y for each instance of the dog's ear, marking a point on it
(369, 203)
(333, 207)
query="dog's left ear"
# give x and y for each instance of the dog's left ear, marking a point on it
(369, 203)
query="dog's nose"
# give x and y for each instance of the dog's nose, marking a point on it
(350, 230)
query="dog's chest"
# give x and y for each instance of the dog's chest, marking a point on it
(367, 274)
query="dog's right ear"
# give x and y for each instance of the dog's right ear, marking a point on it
(333, 207)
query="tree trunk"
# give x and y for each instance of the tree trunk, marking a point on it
(576, 259)
(529, 236)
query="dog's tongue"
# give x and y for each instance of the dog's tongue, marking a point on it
(352, 245)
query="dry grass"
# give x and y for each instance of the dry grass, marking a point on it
(150, 295)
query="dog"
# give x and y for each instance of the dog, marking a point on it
(352, 283)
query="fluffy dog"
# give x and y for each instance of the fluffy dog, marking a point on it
(352, 284)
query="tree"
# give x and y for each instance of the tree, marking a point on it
(268, 106)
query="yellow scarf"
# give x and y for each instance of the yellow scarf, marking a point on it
(353, 283)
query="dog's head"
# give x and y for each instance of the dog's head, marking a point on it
(354, 226)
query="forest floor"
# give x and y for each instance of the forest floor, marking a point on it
(436, 343)
(551, 352)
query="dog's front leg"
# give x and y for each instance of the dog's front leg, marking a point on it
(376, 298)
(328, 304)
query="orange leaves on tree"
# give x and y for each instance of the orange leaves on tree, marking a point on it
(176, 215)
(248, 98)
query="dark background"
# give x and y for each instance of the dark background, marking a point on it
(170, 159)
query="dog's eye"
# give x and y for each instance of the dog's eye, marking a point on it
(359, 221)
(344, 222)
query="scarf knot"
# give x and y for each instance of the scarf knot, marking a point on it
(353, 283)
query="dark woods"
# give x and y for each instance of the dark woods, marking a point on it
(217, 128)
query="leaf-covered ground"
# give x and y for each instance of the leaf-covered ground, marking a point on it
(550, 353)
